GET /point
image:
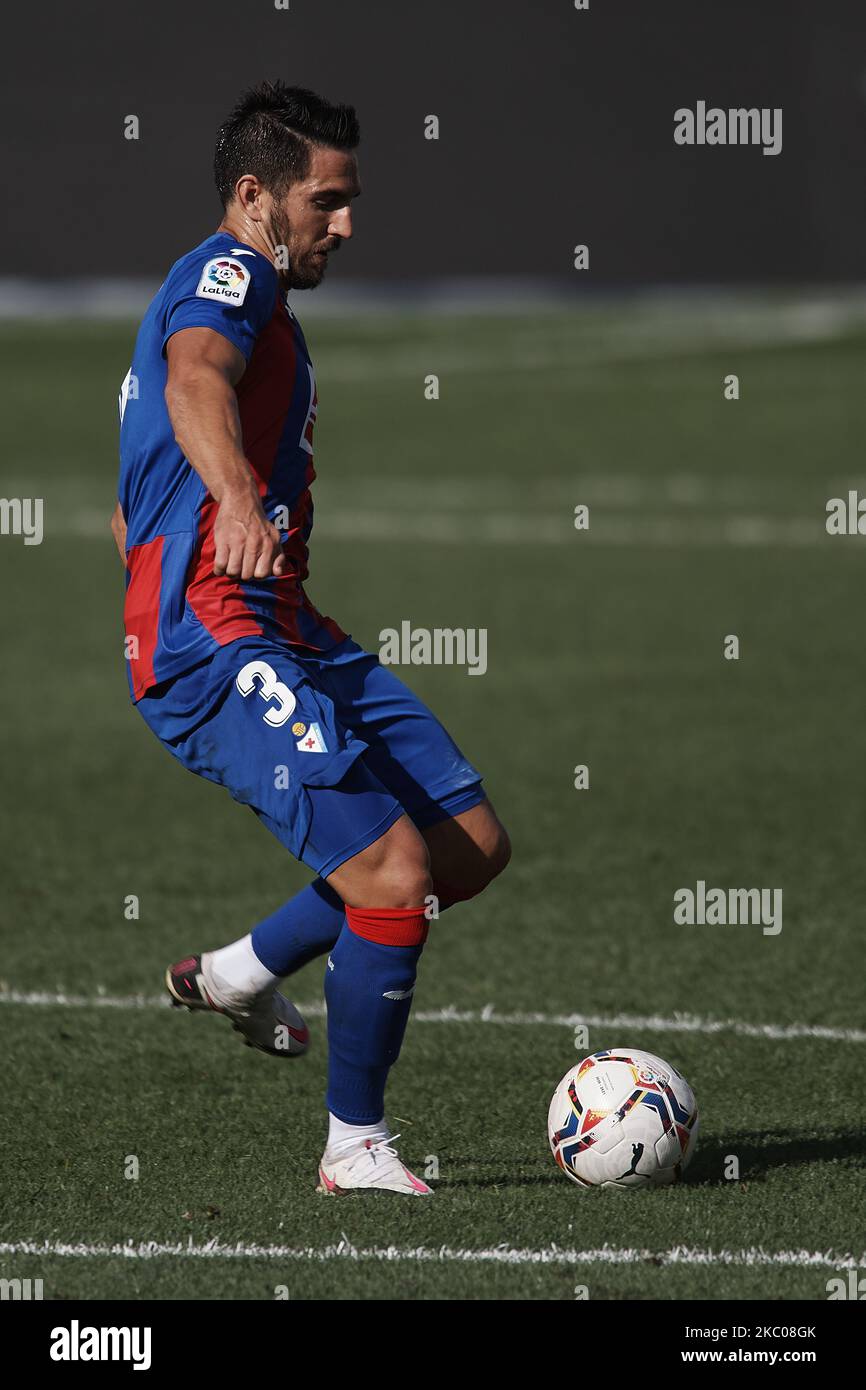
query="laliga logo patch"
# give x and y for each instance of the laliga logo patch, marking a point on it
(299, 728)
(647, 1076)
(224, 279)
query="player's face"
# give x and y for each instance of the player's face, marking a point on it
(314, 216)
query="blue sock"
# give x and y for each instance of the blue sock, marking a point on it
(303, 928)
(365, 1027)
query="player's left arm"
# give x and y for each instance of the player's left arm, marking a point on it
(118, 530)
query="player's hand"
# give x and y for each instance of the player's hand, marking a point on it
(118, 530)
(247, 545)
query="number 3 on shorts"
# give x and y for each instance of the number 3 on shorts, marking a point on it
(270, 689)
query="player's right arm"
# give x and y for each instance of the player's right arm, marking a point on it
(203, 370)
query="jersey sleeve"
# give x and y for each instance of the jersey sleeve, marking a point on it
(232, 294)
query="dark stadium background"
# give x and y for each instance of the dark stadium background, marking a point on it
(556, 126)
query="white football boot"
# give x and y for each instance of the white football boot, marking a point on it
(269, 1021)
(375, 1163)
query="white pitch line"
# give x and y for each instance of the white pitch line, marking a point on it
(648, 1023)
(753, 1257)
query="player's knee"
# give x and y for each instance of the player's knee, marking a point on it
(404, 868)
(490, 858)
(492, 852)
(499, 854)
(404, 878)
(394, 871)
(495, 857)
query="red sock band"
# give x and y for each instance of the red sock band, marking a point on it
(390, 926)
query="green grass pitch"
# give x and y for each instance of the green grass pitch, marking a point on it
(605, 648)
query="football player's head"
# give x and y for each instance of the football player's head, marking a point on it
(286, 173)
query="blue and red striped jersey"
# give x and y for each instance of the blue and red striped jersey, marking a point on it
(177, 611)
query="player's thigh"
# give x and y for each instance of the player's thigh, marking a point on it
(410, 750)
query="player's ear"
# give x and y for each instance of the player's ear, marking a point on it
(248, 192)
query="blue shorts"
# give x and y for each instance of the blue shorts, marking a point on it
(329, 749)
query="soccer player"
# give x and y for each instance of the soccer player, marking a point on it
(237, 672)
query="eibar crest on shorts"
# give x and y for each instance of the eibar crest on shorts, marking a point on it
(312, 742)
(225, 279)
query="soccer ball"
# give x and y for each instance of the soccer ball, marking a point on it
(623, 1118)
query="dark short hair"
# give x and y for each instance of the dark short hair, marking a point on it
(272, 132)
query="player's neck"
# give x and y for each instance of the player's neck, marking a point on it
(256, 235)
(248, 234)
